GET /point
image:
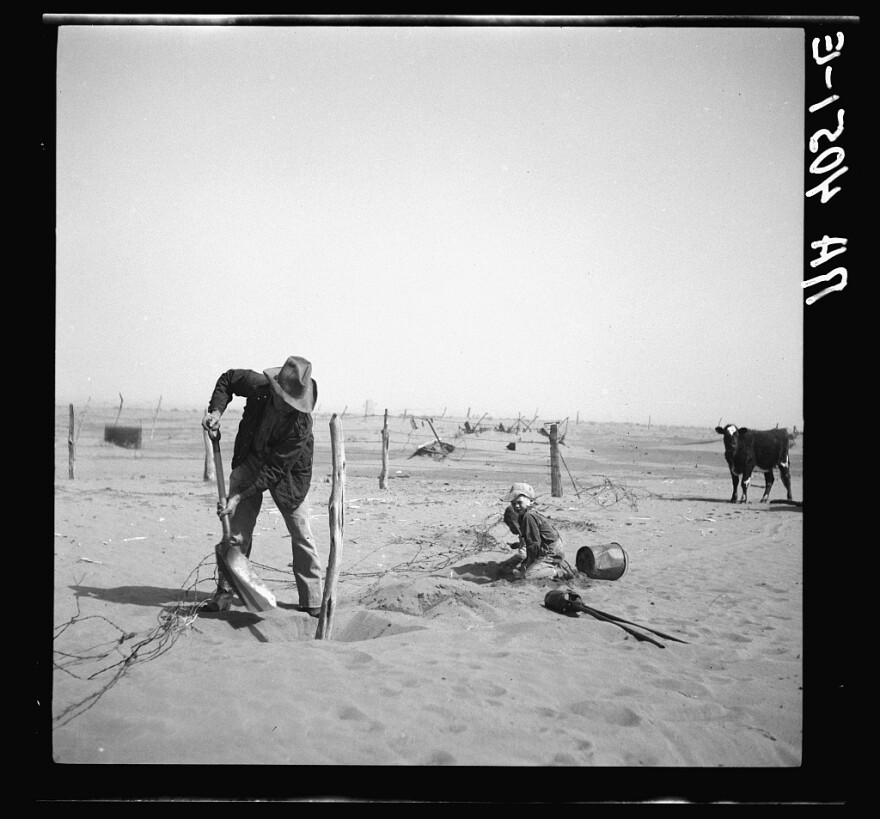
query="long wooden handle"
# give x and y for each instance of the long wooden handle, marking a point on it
(590, 610)
(221, 483)
(627, 629)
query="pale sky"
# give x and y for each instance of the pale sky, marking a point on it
(604, 221)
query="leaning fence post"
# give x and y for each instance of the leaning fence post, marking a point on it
(336, 512)
(71, 445)
(555, 479)
(383, 475)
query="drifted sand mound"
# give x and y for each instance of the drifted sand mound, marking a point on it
(428, 597)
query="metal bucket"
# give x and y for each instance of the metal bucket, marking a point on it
(606, 562)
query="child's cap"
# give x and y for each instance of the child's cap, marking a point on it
(520, 489)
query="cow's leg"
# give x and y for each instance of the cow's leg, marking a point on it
(768, 485)
(746, 480)
(785, 474)
(735, 478)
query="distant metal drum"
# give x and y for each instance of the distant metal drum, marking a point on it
(606, 562)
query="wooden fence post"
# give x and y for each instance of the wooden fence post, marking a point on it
(337, 515)
(383, 475)
(555, 479)
(71, 444)
(155, 417)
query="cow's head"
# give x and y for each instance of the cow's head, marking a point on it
(731, 435)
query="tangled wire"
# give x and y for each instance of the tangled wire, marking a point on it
(173, 621)
(608, 493)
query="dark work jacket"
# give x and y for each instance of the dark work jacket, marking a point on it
(538, 535)
(281, 445)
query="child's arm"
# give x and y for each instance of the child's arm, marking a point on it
(510, 518)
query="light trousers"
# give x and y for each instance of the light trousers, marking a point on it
(306, 565)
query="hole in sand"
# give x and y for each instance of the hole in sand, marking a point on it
(281, 625)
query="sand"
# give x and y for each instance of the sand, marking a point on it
(431, 661)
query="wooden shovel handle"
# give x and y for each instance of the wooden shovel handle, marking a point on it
(615, 622)
(214, 435)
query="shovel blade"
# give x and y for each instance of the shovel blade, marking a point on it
(237, 568)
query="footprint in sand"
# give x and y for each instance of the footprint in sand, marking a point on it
(686, 687)
(735, 638)
(440, 758)
(609, 712)
(354, 715)
(358, 658)
(388, 691)
(626, 691)
(564, 760)
(481, 689)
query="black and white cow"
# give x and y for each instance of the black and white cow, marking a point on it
(748, 449)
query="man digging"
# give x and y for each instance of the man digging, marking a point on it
(273, 451)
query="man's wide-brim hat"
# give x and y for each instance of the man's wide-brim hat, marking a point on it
(520, 489)
(293, 382)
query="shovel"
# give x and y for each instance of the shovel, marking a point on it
(568, 601)
(230, 558)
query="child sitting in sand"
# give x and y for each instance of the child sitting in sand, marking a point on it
(540, 552)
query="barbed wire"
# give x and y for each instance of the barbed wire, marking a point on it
(173, 621)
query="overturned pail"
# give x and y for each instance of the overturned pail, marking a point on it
(606, 562)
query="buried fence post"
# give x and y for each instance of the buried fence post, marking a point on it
(336, 513)
(71, 445)
(383, 475)
(555, 479)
